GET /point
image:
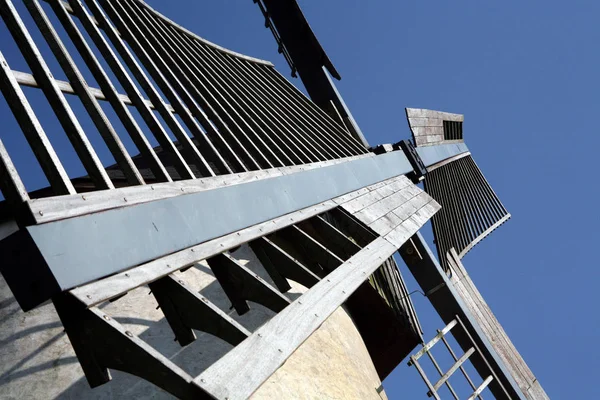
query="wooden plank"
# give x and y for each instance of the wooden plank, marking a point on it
(58, 103)
(81, 89)
(453, 368)
(10, 182)
(115, 285)
(27, 79)
(330, 237)
(33, 131)
(167, 65)
(268, 347)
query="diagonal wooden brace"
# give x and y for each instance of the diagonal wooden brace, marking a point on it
(279, 263)
(186, 310)
(101, 343)
(241, 284)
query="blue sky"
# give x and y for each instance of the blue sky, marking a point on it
(525, 74)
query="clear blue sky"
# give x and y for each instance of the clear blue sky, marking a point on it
(525, 74)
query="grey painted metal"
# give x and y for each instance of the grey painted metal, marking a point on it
(431, 155)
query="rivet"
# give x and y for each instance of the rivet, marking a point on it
(129, 333)
(281, 351)
(316, 315)
(182, 189)
(88, 296)
(106, 317)
(168, 265)
(83, 197)
(127, 275)
(41, 212)
(180, 281)
(260, 335)
(192, 250)
(125, 199)
(152, 187)
(299, 302)
(202, 380)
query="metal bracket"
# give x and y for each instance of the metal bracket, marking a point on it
(419, 169)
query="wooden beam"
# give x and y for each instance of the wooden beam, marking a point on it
(186, 310)
(101, 343)
(241, 284)
(275, 258)
(330, 237)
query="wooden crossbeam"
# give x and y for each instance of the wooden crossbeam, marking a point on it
(186, 310)
(241, 284)
(330, 237)
(279, 263)
(101, 343)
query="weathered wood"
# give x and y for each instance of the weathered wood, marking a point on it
(11, 185)
(101, 343)
(311, 253)
(33, 131)
(274, 342)
(453, 368)
(204, 142)
(330, 237)
(186, 310)
(481, 388)
(241, 284)
(58, 103)
(82, 90)
(27, 79)
(350, 226)
(273, 257)
(129, 86)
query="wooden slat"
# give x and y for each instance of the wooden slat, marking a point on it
(58, 103)
(82, 90)
(453, 368)
(11, 185)
(209, 150)
(129, 86)
(481, 387)
(122, 111)
(238, 141)
(33, 131)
